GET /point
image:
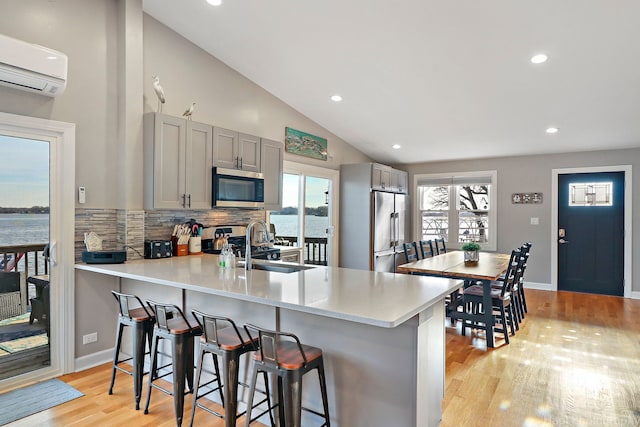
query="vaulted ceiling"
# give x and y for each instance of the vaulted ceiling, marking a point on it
(443, 80)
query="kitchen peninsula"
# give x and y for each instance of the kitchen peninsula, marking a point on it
(382, 333)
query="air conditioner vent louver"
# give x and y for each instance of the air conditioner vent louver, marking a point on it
(31, 67)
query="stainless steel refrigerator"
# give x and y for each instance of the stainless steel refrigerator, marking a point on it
(373, 224)
(388, 231)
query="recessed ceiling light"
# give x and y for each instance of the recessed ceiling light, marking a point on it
(52, 57)
(552, 130)
(214, 2)
(539, 59)
(336, 98)
(395, 146)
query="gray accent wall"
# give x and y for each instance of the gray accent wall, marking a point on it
(534, 174)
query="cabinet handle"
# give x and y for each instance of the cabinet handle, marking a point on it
(189, 200)
(240, 162)
(184, 203)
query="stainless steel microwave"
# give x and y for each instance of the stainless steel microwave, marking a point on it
(234, 188)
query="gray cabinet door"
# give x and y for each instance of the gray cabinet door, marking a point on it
(249, 152)
(168, 140)
(225, 148)
(199, 163)
(272, 157)
(380, 177)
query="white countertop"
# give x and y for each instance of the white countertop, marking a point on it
(374, 298)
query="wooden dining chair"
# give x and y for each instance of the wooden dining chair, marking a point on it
(410, 251)
(440, 245)
(426, 247)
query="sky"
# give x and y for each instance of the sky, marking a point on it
(315, 191)
(24, 172)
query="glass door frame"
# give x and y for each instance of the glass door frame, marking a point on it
(61, 139)
(303, 170)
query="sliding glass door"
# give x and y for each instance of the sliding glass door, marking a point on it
(309, 212)
(37, 178)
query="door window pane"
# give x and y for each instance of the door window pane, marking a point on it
(316, 219)
(24, 232)
(591, 194)
(285, 221)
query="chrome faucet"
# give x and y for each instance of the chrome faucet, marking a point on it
(247, 250)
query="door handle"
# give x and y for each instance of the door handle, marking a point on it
(562, 241)
(53, 253)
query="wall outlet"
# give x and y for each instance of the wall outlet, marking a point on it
(535, 220)
(89, 338)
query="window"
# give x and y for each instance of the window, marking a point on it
(591, 194)
(457, 207)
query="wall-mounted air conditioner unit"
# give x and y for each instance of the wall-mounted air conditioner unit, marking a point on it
(32, 67)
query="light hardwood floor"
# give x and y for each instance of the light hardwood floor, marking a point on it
(574, 362)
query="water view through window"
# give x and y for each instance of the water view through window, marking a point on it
(24, 232)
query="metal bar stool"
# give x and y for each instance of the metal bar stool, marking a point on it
(133, 313)
(172, 325)
(282, 354)
(221, 337)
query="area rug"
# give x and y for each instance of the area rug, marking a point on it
(23, 318)
(29, 400)
(24, 343)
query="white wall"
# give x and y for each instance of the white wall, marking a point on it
(223, 97)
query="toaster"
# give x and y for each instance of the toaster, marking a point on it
(158, 249)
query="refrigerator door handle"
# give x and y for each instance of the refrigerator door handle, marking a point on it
(396, 227)
(393, 232)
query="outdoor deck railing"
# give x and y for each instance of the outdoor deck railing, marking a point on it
(315, 248)
(28, 259)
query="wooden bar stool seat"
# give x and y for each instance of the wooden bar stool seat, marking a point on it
(134, 314)
(281, 354)
(222, 338)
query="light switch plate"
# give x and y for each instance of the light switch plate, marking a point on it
(82, 197)
(535, 220)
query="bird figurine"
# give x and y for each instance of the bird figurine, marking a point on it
(159, 92)
(189, 111)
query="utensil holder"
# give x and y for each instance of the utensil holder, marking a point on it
(179, 250)
(195, 245)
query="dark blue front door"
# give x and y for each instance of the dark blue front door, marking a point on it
(591, 233)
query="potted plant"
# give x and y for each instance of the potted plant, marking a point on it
(471, 253)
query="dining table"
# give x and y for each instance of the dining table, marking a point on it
(490, 267)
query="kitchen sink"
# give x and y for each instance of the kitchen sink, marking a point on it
(278, 268)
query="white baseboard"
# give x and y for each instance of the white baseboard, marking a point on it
(93, 359)
(538, 286)
(548, 287)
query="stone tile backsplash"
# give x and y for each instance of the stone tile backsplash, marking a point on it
(119, 227)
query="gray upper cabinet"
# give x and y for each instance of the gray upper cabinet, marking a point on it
(385, 178)
(234, 150)
(225, 148)
(249, 152)
(178, 157)
(399, 181)
(272, 155)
